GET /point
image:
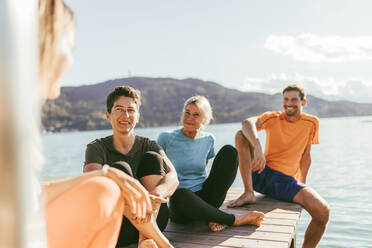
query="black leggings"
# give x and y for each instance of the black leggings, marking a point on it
(203, 205)
(151, 164)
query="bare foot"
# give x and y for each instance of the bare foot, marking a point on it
(216, 227)
(252, 218)
(245, 198)
(147, 243)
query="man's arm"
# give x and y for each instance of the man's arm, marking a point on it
(249, 129)
(169, 183)
(304, 164)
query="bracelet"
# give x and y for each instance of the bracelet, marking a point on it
(105, 169)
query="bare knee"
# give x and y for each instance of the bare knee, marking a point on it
(102, 194)
(242, 143)
(109, 188)
(317, 207)
(323, 214)
(320, 212)
(240, 140)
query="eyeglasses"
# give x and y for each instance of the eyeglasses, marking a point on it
(128, 111)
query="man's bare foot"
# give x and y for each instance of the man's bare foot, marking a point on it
(245, 198)
(252, 218)
(147, 243)
(216, 227)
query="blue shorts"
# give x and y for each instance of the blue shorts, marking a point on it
(276, 184)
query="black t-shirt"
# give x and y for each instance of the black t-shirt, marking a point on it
(102, 151)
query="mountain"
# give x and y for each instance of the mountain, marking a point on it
(83, 107)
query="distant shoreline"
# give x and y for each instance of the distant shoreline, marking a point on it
(177, 124)
(83, 107)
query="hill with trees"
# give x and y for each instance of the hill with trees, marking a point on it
(83, 107)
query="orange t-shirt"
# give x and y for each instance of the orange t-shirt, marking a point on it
(286, 141)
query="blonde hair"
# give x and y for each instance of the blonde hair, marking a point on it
(204, 106)
(55, 20)
(20, 147)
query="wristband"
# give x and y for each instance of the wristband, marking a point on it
(105, 169)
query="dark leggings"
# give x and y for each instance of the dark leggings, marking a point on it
(151, 164)
(203, 205)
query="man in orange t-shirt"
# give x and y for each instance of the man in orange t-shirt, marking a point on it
(281, 172)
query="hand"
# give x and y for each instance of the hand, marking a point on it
(159, 191)
(157, 199)
(135, 195)
(259, 161)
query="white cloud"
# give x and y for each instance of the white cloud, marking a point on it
(353, 89)
(313, 48)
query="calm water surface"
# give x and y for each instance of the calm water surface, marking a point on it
(341, 171)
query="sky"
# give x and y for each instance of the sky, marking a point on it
(260, 46)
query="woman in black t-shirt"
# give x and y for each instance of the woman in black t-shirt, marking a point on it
(137, 156)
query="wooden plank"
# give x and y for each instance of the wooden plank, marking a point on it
(267, 228)
(278, 215)
(263, 228)
(231, 232)
(213, 240)
(191, 245)
(277, 230)
(266, 206)
(266, 236)
(266, 209)
(276, 221)
(291, 214)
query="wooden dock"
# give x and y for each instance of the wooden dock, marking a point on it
(277, 230)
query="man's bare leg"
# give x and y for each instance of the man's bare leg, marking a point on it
(245, 153)
(319, 210)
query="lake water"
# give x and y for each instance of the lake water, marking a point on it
(341, 171)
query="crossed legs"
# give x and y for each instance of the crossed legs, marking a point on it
(151, 174)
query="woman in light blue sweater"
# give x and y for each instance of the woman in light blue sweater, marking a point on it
(199, 196)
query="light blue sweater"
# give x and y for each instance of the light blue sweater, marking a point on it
(189, 156)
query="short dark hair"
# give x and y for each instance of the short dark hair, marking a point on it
(297, 88)
(123, 91)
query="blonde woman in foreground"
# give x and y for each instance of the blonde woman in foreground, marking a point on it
(87, 210)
